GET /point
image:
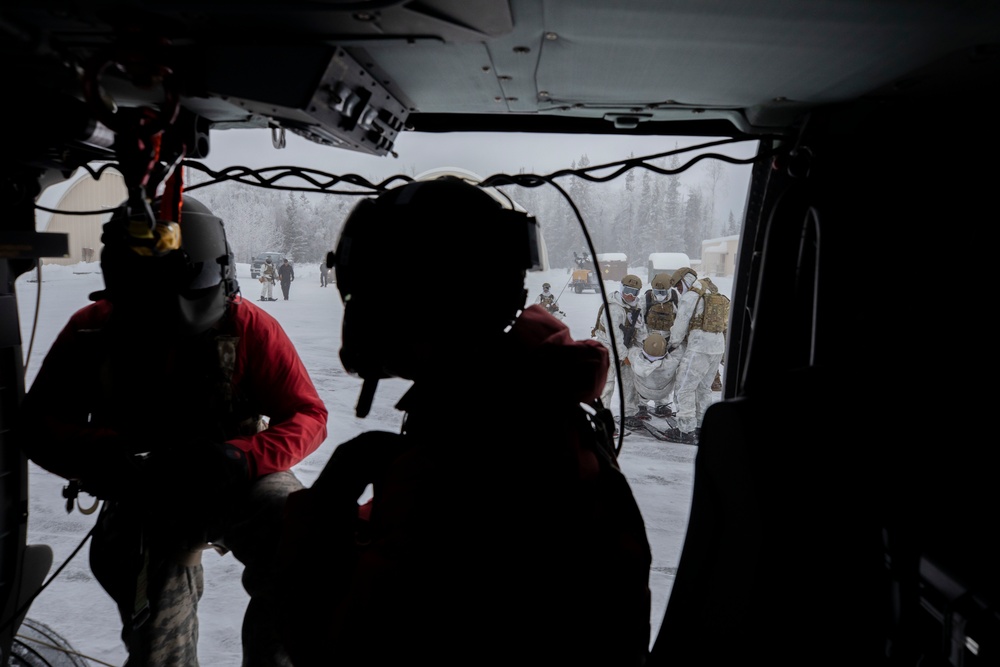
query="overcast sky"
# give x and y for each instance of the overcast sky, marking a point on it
(481, 153)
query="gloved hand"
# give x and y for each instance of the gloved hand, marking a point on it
(201, 474)
(116, 470)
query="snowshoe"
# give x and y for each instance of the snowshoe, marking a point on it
(679, 436)
(643, 413)
(633, 423)
(663, 411)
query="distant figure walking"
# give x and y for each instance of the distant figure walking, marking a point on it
(268, 273)
(323, 274)
(286, 274)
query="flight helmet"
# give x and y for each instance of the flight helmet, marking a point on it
(179, 285)
(428, 224)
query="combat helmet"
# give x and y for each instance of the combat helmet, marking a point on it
(631, 284)
(680, 275)
(655, 346)
(661, 281)
(660, 287)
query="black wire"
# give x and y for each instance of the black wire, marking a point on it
(607, 309)
(324, 182)
(268, 177)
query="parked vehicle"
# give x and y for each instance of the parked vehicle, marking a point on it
(258, 262)
(584, 277)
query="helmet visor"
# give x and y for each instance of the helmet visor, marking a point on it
(630, 291)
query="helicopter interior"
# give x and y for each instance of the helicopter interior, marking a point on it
(844, 500)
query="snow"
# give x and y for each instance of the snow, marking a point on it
(76, 607)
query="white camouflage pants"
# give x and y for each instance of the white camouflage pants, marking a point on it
(266, 289)
(628, 391)
(693, 388)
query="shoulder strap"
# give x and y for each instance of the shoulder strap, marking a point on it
(598, 325)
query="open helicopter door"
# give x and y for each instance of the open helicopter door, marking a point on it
(845, 498)
(781, 544)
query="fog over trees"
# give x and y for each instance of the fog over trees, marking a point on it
(637, 213)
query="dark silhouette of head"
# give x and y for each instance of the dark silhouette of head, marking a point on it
(423, 229)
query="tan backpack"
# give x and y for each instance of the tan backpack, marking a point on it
(715, 316)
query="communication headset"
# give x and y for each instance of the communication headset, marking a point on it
(405, 239)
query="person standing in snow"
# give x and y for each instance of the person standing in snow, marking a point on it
(286, 274)
(195, 409)
(268, 274)
(497, 471)
(659, 307)
(323, 272)
(547, 300)
(625, 315)
(699, 336)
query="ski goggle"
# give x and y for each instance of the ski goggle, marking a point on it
(630, 291)
(660, 294)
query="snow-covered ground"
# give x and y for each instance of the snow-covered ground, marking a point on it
(75, 606)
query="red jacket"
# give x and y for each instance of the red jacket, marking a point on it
(94, 384)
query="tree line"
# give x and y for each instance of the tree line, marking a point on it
(639, 213)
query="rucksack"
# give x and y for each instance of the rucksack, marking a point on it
(715, 316)
(659, 315)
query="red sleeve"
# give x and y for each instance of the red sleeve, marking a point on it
(60, 438)
(578, 367)
(269, 366)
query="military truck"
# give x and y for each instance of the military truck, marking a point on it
(584, 277)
